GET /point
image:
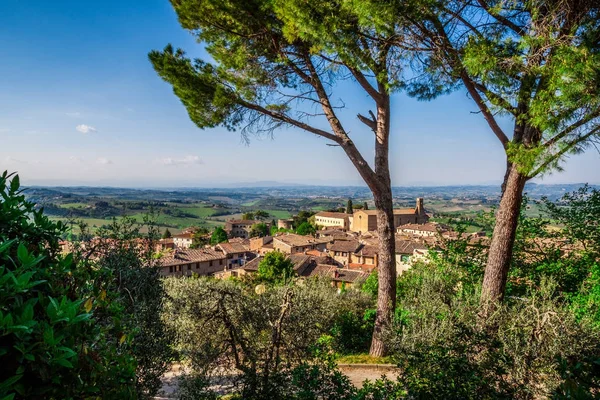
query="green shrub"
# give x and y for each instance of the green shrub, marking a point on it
(50, 345)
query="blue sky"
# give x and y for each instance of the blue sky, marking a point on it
(80, 104)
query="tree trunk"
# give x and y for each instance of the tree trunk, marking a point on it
(386, 268)
(503, 238)
(386, 264)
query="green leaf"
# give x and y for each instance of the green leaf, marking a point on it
(15, 183)
(4, 246)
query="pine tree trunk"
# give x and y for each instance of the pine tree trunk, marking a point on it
(386, 264)
(386, 268)
(503, 238)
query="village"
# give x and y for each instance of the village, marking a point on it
(344, 248)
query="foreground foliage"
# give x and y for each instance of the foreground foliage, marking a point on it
(73, 326)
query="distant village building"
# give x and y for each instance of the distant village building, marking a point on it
(291, 243)
(427, 229)
(364, 259)
(407, 252)
(285, 223)
(332, 219)
(341, 250)
(240, 228)
(366, 220)
(186, 262)
(183, 240)
(261, 245)
(236, 253)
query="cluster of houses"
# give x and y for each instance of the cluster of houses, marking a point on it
(344, 250)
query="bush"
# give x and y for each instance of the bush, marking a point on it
(530, 347)
(226, 324)
(51, 345)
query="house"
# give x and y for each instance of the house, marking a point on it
(261, 245)
(334, 233)
(366, 220)
(427, 229)
(340, 277)
(291, 243)
(333, 219)
(302, 264)
(364, 259)
(240, 228)
(183, 240)
(236, 253)
(285, 223)
(186, 262)
(164, 244)
(341, 250)
(407, 252)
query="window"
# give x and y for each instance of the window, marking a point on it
(210, 263)
(171, 269)
(404, 258)
(189, 267)
(221, 262)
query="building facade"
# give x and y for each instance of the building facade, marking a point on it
(366, 220)
(333, 219)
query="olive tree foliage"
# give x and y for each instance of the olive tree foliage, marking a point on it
(532, 346)
(278, 64)
(129, 277)
(259, 336)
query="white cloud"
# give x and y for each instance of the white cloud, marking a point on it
(187, 160)
(12, 160)
(83, 128)
(103, 161)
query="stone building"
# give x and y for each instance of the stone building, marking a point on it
(186, 262)
(366, 220)
(240, 228)
(291, 243)
(183, 240)
(333, 219)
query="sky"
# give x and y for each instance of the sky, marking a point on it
(81, 105)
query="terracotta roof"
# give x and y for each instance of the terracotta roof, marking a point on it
(328, 214)
(190, 256)
(232, 248)
(345, 246)
(298, 240)
(428, 227)
(339, 274)
(186, 235)
(166, 241)
(368, 251)
(408, 246)
(300, 262)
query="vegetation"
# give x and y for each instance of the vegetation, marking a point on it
(73, 326)
(218, 236)
(275, 267)
(306, 228)
(259, 230)
(267, 61)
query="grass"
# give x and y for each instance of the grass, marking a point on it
(73, 205)
(198, 211)
(363, 359)
(279, 214)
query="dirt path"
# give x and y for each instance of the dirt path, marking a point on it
(357, 373)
